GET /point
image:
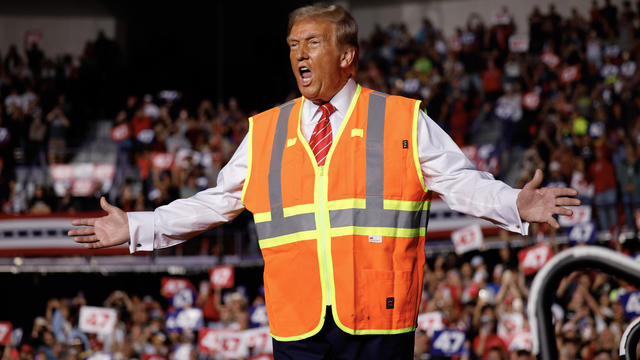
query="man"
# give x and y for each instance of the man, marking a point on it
(338, 181)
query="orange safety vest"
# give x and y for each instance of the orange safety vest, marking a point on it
(349, 234)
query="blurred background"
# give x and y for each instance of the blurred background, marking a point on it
(144, 103)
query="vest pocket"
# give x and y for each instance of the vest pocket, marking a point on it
(292, 288)
(388, 299)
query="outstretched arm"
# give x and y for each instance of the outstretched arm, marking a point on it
(174, 223)
(447, 171)
(540, 204)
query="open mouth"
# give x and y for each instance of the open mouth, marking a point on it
(305, 75)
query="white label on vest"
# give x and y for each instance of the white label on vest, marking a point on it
(375, 239)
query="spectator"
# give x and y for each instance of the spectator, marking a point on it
(604, 179)
(35, 58)
(628, 175)
(39, 203)
(58, 127)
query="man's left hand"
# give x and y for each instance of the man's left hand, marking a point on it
(539, 205)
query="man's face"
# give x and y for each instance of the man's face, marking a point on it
(316, 59)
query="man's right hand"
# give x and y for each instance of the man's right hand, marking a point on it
(106, 231)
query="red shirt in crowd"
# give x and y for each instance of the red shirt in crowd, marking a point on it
(492, 80)
(603, 175)
(139, 123)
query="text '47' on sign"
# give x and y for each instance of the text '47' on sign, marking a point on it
(533, 258)
(97, 320)
(467, 239)
(221, 276)
(5, 332)
(447, 343)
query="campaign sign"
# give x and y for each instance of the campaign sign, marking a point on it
(209, 341)
(500, 18)
(262, 357)
(259, 340)
(509, 325)
(258, 316)
(581, 214)
(230, 344)
(518, 43)
(61, 172)
(145, 136)
(100, 356)
(550, 59)
(170, 285)
(82, 187)
(221, 276)
(120, 133)
(447, 343)
(153, 357)
(531, 100)
(16, 337)
(521, 341)
(183, 299)
(467, 239)
(608, 70)
(32, 36)
(184, 319)
(430, 322)
(181, 352)
(631, 304)
(97, 320)
(570, 74)
(5, 136)
(102, 172)
(584, 233)
(628, 68)
(5, 332)
(161, 160)
(533, 258)
(233, 345)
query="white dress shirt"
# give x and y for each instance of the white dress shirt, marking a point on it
(446, 171)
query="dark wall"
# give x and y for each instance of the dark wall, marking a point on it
(219, 50)
(215, 49)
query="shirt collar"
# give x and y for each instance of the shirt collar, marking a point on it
(341, 100)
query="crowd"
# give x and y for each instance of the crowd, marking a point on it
(45, 101)
(146, 326)
(487, 301)
(481, 295)
(564, 99)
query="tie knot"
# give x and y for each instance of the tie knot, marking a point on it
(327, 109)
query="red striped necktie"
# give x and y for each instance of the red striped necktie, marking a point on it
(321, 138)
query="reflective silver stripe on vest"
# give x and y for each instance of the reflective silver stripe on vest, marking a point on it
(279, 225)
(375, 215)
(376, 218)
(286, 226)
(375, 150)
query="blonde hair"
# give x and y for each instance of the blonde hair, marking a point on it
(346, 26)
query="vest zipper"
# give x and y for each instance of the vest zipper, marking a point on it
(323, 234)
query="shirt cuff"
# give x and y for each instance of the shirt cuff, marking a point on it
(141, 231)
(515, 224)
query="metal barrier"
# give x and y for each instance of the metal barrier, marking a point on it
(546, 283)
(629, 341)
